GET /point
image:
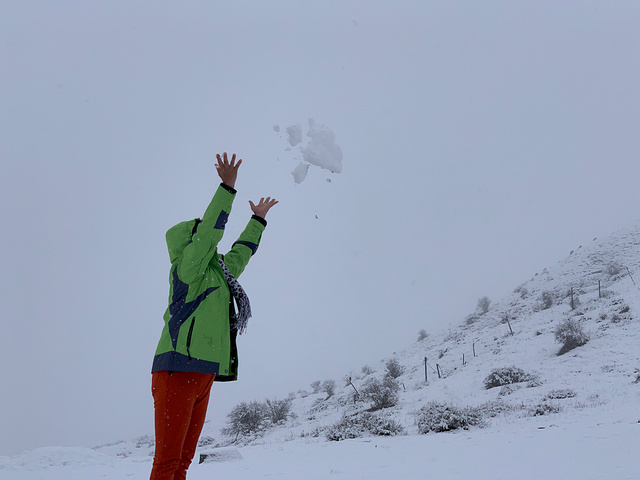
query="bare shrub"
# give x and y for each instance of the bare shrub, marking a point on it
(493, 408)
(604, 293)
(329, 387)
(394, 369)
(547, 299)
(361, 425)
(279, 410)
(367, 370)
(570, 334)
(483, 305)
(612, 269)
(145, 441)
(508, 390)
(206, 441)
(534, 381)
(315, 386)
(522, 291)
(442, 417)
(422, 334)
(560, 394)
(506, 376)
(381, 393)
(544, 409)
(246, 418)
(472, 318)
(315, 433)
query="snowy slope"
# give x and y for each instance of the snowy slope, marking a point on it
(590, 429)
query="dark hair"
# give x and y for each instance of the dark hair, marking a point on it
(195, 226)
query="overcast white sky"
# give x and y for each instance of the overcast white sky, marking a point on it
(482, 142)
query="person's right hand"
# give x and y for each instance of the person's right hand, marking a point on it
(228, 172)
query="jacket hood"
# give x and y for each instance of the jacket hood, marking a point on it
(178, 237)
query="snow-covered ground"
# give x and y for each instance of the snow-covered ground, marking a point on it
(592, 392)
(588, 445)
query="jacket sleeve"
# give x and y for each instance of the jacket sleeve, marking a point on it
(243, 249)
(199, 252)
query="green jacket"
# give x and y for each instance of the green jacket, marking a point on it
(197, 334)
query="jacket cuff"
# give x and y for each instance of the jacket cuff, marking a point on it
(228, 188)
(259, 219)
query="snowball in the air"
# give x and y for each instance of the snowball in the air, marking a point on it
(322, 149)
(300, 172)
(294, 134)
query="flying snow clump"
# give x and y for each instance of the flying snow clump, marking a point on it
(300, 172)
(321, 150)
(294, 134)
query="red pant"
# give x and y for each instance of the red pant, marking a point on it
(180, 400)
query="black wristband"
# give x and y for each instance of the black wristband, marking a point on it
(260, 219)
(228, 188)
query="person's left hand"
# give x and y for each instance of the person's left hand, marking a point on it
(228, 171)
(263, 206)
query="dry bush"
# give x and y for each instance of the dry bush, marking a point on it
(571, 334)
(544, 409)
(361, 425)
(483, 305)
(506, 376)
(560, 394)
(442, 417)
(329, 387)
(279, 410)
(547, 299)
(394, 369)
(367, 370)
(247, 418)
(381, 393)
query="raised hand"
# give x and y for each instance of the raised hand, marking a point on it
(263, 206)
(228, 171)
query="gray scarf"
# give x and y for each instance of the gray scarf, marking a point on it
(240, 296)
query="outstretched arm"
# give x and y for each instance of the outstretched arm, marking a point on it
(199, 252)
(243, 249)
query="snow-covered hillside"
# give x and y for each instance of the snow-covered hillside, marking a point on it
(574, 415)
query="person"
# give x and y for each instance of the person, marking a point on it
(198, 342)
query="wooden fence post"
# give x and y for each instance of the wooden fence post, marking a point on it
(426, 379)
(355, 397)
(573, 304)
(506, 319)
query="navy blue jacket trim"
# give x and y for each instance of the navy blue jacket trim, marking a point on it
(228, 188)
(251, 245)
(177, 362)
(222, 220)
(179, 308)
(262, 220)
